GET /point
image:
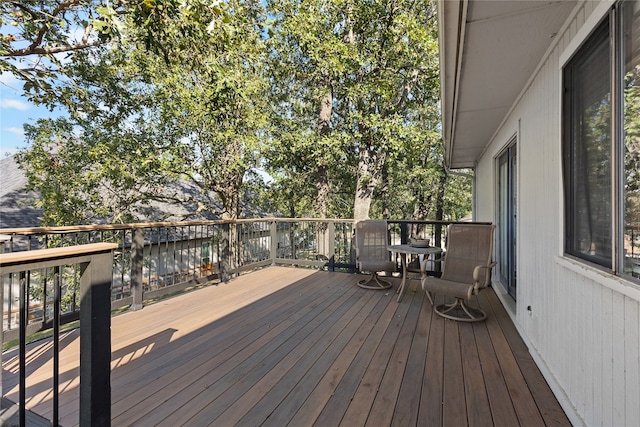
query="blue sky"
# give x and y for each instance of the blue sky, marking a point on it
(15, 110)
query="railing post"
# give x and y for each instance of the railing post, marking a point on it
(404, 233)
(273, 248)
(331, 229)
(95, 341)
(137, 257)
(437, 237)
(3, 239)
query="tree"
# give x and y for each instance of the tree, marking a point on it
(306, 61)
(138, 121)
(391, 76)
(353, 81)
(43, 34)
(336, 99)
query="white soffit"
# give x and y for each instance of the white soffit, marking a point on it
(489, 50)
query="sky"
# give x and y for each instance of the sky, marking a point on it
(15, 110)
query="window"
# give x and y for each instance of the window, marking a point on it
(601, 144)
(587, 113)
(630, 108)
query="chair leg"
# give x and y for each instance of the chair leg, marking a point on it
(374, 282)
(430, 297)
(465, 313)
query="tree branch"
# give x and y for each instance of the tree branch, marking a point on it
(31, 50)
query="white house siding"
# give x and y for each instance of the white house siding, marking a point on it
(584, 325)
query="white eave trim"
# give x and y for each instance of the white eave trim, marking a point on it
(452, 27)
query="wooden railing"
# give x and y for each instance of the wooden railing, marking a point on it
(94, 262)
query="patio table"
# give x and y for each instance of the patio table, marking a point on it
(405, 251)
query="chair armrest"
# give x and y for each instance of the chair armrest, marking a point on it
(480, 269)
(423, 265)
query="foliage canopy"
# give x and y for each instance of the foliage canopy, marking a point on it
(182, 101)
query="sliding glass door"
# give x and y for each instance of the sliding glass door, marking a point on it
(507, 219)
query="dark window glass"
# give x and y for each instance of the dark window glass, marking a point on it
(587, 150)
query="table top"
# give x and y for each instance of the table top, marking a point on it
(408, 249)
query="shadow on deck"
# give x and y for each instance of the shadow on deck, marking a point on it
(286, 346)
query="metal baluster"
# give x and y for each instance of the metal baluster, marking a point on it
(25, 278)
(173, 256)
(57, 291)
(150, 264)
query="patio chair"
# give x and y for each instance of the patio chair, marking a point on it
(466, 271)
(372, 254)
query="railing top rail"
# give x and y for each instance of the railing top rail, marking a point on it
(14, 258)
(431, 221)
(111, 227)
(279, 219)
(104, 227)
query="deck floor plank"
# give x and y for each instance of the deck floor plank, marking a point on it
(339, 402)
(521, 397)
(286, 346)
(327, 387)
(478, 409)
(502, 409)
(406, 409)
(431, 399)
(361, 403)
(284, 370)
(546, 403)
(454, 409)
(201, 387)
(306, 376)
(388, 393)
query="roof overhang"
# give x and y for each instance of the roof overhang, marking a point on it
(488, 52)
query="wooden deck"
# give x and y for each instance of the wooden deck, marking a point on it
(286, 346)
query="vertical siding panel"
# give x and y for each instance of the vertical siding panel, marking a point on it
(581, 370)
(617, 336)
(632, 363)
(594, 394)
(606, 366)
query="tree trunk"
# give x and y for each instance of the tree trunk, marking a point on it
(442, 185)
(322, 174)
(322, 171)
(384, 193)
(369, 173)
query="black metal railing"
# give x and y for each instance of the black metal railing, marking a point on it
(94, 270)
(153, 259)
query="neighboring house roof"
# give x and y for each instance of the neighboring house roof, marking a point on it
(488, 52)
(17, 206)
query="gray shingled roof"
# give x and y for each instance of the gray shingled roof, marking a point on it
(16, 204)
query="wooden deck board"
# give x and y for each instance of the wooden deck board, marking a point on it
(478, 409)
(408, 403)
(285, 346)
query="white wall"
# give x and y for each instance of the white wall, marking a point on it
(584, 326)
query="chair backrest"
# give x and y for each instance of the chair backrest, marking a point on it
(372, 240)
(468, 245)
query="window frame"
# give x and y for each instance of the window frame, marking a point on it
(570, 105)
(612, 25)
